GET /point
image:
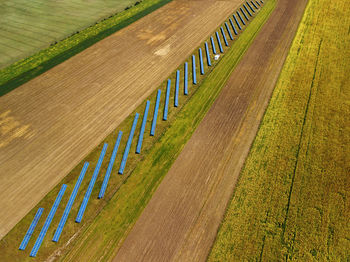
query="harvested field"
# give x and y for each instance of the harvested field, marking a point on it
(50, 123)
(182, 218)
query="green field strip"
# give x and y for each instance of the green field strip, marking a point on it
(292, 202)
(26, 43)
(40, 28)
(21, 34)
(33, 31)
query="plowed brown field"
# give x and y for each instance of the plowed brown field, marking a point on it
(49, 124)
(182, 218)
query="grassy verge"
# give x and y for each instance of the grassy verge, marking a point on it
(106, 222)
(293, 200)
(24, 70)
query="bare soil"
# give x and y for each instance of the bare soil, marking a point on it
(182, 218)
(49, 124)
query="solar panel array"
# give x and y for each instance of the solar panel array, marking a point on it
(102, 191)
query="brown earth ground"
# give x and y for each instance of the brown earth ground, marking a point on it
(181, 220)
(49, 124)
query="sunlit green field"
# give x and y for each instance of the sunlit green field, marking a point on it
(292, 202)
(28, 26)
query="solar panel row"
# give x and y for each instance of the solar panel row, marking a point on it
(213, 45)
(47, 223)
(70, 204)
(155, 113)
(31, 228)
(207, 53)
(229, 31)
(128, 145)
(219, 42)
(186, 79)
(91, 185)
(201, 66)
(177, 83)
(194, 70)
(110, 166)
(143, 126)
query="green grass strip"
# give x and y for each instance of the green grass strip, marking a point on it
(293, 199)
(24, 70)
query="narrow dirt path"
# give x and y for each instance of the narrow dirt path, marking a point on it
(182, 218)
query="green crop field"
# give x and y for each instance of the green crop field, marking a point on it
(293, 198)
(29, 26)
(26, 69)
(106, 222)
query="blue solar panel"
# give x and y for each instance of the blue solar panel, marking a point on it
(258, 3)
(70, 204)
(207, 52)
(233, 27)
(128, 145)
(186, 79)
(223, 35)
(47, 223)
(177, 82)
(251, 8)
(91, 185)
(219, 42)
(254, 5)
(213, 45)
(228, 30)
(201, 66)
(155, 113)
(31, 228)
(143, 126)
(166, 104)
(194, 70)
(239, 26)
(110, 166)
(242, 11)
(247, 11)
(240, 17)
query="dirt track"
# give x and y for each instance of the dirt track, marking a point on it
(49, 124)
(182, 218)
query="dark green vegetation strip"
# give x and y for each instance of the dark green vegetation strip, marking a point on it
(293, 199)
(22, 71)
(106, 222)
